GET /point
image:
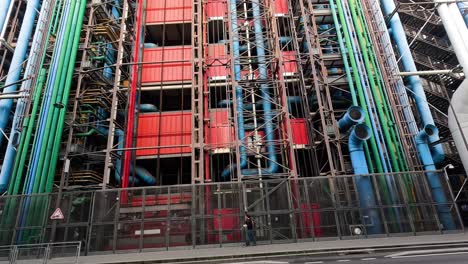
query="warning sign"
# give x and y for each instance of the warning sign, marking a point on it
(57, 215)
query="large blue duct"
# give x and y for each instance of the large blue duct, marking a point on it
(414, 82)
(367, 201)
(16, 66)
(353, 116)
(437, 190)
(33, 61)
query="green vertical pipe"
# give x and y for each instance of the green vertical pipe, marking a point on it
(377, 97)
(55, 106)
(349, 77)
(64, 102)
(357, 82)
(387, 108)
(34, 209)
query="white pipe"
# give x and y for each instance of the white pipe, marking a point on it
(434, 72)
(459, 23)
(5, 25)
(458, 121)
(454, 36)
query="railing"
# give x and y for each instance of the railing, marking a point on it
(61, 252)
(200, 215)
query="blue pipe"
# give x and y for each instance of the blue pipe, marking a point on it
(33, 60)
(358, 135)
(264, 89)
(414, 81)
(16, 65)
(437, 190)
(464, 11)
(239, 100)
(353, 116)
(148, 108)
(4, 12)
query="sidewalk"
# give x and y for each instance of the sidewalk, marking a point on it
(275, 249)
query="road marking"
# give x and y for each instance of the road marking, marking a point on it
(431, 251)
(314, 262)
(368, 258)
(343, 260)
(429, 255)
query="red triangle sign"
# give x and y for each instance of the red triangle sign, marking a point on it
(57, 215)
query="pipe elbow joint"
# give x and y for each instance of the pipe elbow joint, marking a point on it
(423, 136)
(353, 116)
(359, 134)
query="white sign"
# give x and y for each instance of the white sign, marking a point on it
(57, 215)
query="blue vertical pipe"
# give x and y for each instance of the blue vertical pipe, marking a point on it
(4, 12)
(437, 190)
(238, 90)
(464, 11)
(33, 61)
(367, 201)
(414, 81)
(265, 92)
(16, 64)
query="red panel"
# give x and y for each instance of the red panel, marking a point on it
(229, 222)
(281, 6)
(311, 219)
(216, 8)
(289, 60)
(172, 64)
(299, 131)
(219, 117)
(168, 11)
(165, 130)
(217, 61)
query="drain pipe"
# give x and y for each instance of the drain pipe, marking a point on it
(17, 61)
(437, 190)
(399, 36)
(371, 217)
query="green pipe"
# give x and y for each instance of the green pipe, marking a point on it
(394, 131)
(357, 82)
(377, 97)
(59, 130)
(35, 208)
(349, 77)
(57, 92)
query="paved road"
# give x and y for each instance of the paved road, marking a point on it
(413, 257)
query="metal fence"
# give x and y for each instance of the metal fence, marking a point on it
(42, 253)
(285, 210)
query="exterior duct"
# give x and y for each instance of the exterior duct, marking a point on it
(355, 115)
(359, 134)
(4, 7)
(438, 194)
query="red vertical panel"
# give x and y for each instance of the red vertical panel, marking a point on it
(281, 7)
(299, 131)
(165, 130)
(221, 133)
(217, 61)
(171, 64)
(289, 60)
(216, 8)
(168, 11)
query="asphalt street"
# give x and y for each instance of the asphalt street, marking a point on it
(407, 257)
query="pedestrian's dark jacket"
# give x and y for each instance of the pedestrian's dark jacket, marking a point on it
(250, 223)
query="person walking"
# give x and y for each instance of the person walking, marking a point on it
(249, 225)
